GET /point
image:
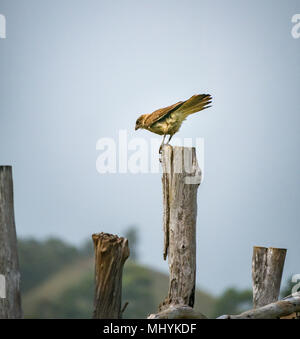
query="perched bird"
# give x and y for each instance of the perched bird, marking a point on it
(167, 120)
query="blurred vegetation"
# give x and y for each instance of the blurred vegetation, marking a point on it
(233, 301)
(57, 281)
(40, 259)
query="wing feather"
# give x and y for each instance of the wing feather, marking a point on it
(160, 113)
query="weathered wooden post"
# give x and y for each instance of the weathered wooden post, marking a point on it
(267, 268)
(181, 179)
(111, 253)
(10, 299)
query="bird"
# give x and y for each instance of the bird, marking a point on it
(167, 121)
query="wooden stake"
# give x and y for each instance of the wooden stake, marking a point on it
(267, 267)
(181, 179)
(10, 300)
(111, 253)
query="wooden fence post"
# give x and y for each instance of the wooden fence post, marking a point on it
(111, 253)
(181, 179)
(267, 268)
(10, 301)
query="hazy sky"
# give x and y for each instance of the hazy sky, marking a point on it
(72, 72)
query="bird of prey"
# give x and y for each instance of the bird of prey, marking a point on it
(167, 120)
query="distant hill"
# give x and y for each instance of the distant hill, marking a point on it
(41, 259)
(69, 293)
(57, 281)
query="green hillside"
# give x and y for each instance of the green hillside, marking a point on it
(69, 293)
(57, 281)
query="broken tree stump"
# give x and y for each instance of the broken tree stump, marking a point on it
(267, 268)
(181, 179)
(111, 253)
(10, 299)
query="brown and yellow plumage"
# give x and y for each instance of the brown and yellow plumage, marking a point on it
(167, 120)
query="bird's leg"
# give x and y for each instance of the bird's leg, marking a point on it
(170, 137)
(160, 148)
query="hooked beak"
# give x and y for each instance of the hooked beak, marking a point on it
(136, 127)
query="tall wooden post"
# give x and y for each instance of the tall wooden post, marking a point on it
(267, 268)
(10, 299)
(111, 253)
(181, 179)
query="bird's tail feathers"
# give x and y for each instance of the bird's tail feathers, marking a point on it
(195, 104)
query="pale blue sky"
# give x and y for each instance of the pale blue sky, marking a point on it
(73, 71)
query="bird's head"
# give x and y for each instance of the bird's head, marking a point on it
(140, 122)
